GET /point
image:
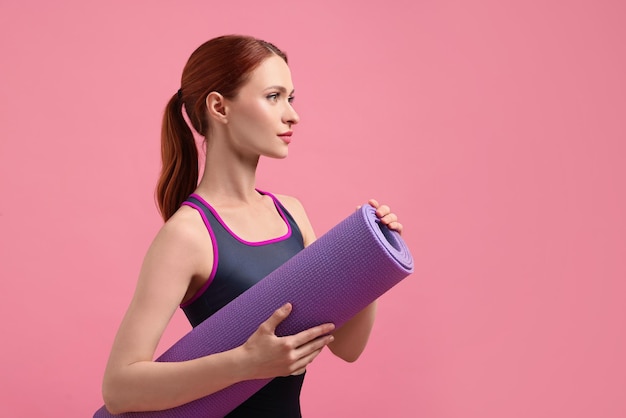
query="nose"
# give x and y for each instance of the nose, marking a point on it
(291, 117)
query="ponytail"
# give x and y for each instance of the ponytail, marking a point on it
(179, 174)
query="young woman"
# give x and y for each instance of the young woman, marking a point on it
(237, 93)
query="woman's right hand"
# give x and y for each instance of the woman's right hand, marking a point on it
(271, 356)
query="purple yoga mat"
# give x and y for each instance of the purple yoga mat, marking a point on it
(331, 280)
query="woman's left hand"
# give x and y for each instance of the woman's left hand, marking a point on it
(386, 216)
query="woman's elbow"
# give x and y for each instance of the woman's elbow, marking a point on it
(112, 396)
(347, 355)
(110, 402)
(350, 358)
(111, 409)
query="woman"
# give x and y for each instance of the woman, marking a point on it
(237, 92)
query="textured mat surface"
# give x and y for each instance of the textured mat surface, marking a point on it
(331, 280)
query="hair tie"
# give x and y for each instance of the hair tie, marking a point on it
(180, 93)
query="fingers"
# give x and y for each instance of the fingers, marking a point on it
(381, 210)
(272, 356)
(306, 336)
(396, 226)
(277, 317)
(300, 338)
(391, 220)
(301, 364)
(388, 218)
(308, 344)
(306, 354)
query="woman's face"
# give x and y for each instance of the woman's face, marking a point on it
(261, 116)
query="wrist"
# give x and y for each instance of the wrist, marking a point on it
(241, 364)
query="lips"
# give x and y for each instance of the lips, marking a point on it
(286, 136)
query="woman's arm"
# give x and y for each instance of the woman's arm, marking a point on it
(351, 338)
(134, 382)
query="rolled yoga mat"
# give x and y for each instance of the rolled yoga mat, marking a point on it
(331, 280)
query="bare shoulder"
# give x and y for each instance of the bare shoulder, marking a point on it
(296, 209)
(183, 240)
(185, 225)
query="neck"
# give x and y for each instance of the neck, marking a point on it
(228, 175)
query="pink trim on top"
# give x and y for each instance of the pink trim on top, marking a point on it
(206, 285)
(243, 241)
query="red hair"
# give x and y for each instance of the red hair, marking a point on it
(222, 65)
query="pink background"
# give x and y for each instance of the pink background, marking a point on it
(496, 130)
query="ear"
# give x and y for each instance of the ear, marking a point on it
(216, 107)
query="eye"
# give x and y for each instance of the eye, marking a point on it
(273, 97)
(291, 99)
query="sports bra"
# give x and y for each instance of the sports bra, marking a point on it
(239, 264)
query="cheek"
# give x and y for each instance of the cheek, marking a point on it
(262, 115)
(254, 112)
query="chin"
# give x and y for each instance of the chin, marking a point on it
(278, 155)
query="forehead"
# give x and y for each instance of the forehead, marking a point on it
(273, 71)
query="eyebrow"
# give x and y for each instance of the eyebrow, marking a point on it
(281, 89)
